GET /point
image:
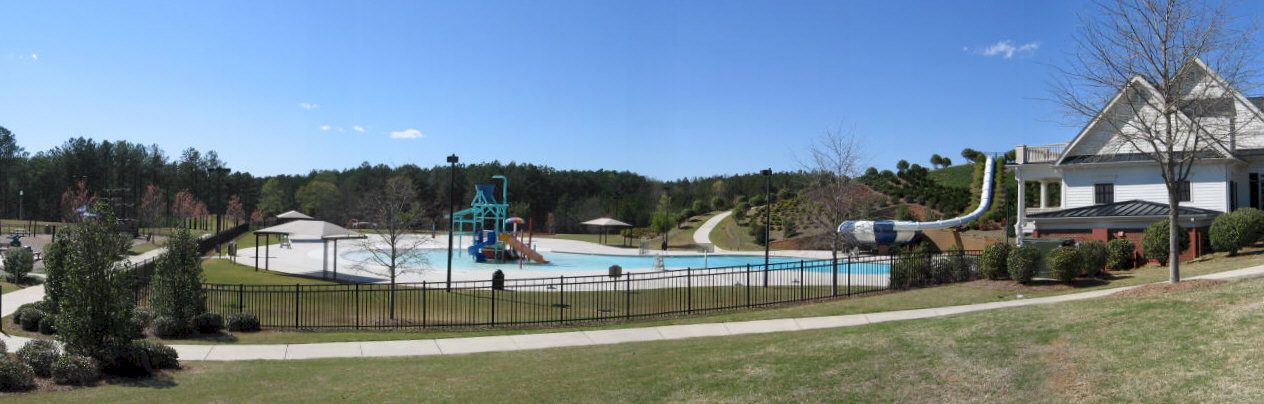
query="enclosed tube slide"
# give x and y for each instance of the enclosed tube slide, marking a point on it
(891, 232)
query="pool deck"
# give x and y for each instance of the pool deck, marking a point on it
(304, 258)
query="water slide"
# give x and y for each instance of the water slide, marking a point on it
(891, 232)
(523, 249)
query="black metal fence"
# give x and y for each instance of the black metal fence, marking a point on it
(582, 298)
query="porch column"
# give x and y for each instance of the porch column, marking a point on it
(1044, 194)
(1022, 204)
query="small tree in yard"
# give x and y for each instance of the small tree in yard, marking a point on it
(1174, 60)
(394, 250)
(96, 301)
(18, 263)
(835, 160)
(177, 285)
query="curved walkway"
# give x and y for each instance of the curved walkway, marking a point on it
(703, 234)
(453, 346)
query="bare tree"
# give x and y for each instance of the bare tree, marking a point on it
(834, 162)
(1156, 72)
(394, 250)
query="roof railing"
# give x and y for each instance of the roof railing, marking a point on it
(1039, 154)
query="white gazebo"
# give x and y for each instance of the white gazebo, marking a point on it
(293, 215)
(605, 222)
(305, 230)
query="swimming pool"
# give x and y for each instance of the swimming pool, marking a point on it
(594, 262)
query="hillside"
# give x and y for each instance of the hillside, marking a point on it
(958, 176)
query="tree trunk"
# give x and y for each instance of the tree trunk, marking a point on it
(1174, 239)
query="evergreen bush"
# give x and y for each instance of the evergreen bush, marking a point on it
(1094, 253)
(1023, 263)
(1155, 244)
(992, 263)
(1120, 254)
(1065, 263)
(77, 370)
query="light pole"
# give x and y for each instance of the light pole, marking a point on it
(219, 173)
(21, 196)
(767, 173)
(452, 160)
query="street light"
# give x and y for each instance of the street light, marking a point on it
(767, 173)
(21, 196)
(452, 160)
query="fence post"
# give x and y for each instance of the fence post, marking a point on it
(423, 303)
(297, 289)
(748, 282)
(627, 295)
(834, 277)
(849, 276)
(689, 290)
(493, 322)
(357, 306)
(802, 285)
(241, 294)
(561, 298)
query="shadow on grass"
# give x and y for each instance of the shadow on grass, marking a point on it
(157, 381)
(217, 337)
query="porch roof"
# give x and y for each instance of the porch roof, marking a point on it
(1132, 208)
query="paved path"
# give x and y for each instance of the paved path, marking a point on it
(703, 234)
(453, 346)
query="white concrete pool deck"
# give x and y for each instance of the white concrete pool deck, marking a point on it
(304, 258)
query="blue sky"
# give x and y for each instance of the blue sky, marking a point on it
(668, 89)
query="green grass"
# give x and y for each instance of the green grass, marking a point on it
(733, 236)
(1199, 345)
(958, 176)
(226, 272)
(138, 249)
(6, 287)
(681, 237)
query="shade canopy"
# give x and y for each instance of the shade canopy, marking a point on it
(606, 222)
(293, 215)
(311, 230)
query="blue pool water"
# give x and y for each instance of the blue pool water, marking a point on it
(596, 262)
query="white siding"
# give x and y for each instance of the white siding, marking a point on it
(1208, 185)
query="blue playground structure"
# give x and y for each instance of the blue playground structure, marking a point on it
(486, 220)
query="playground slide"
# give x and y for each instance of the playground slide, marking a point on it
(889, 232)
(523, 249)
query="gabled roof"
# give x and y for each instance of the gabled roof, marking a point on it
(310, 229)
(293, 214)
(1133, 208)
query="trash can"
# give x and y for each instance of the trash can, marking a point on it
(498, 280)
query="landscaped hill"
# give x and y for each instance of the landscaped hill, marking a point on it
(958, 176)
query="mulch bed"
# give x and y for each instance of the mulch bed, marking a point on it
(1162, 288)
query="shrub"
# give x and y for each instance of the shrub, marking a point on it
(1094, 253)
(208, 323)
(48, 325)
(243, 322)
(1119, 254)
(1234, 230)
(169, 327)
(717, 203)
(1155, 244)
(95, 305)
(18, 263)
(177, 285)
(40, 355)
(76, 370)
(129, 359)
(31, 318)
(15, 375)
(160, 356)
(1065, 263)
(4, 348)
(1023, 263)
(992, 262)
(960, 266)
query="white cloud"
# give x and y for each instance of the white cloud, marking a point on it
(325, 128)
(340, 129)
(308, 105)
(409, 133)
(358, 129)
(35, 56)
(1006, 49)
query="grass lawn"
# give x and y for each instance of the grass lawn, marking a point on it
(138, 249)
(681, 237)
(226, 272)
(730, 235)
(6, 287)
(1196, 345)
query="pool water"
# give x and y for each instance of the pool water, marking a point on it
(593, 262)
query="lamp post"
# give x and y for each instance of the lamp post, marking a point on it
(767, 173)
(21, 196)
(219, 173)
(452, 160)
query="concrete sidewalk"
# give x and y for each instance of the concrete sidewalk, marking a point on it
(703, 234)
(455, 346)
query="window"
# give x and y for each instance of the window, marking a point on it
(1254, 190)
(1182, 191)
(1103, 193)
(1233, 196)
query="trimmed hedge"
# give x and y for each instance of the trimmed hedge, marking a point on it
(48, 325)
(1023, 263)
(1119, 254)
(31, 318)
(168, 327)
(1234, 230)
(1094, 254)
(1065, 263)
(40, 354)
(208, 323)
(15, 375)
(1155, 244)
(248, 322)
(77, 370)
(992, 262)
